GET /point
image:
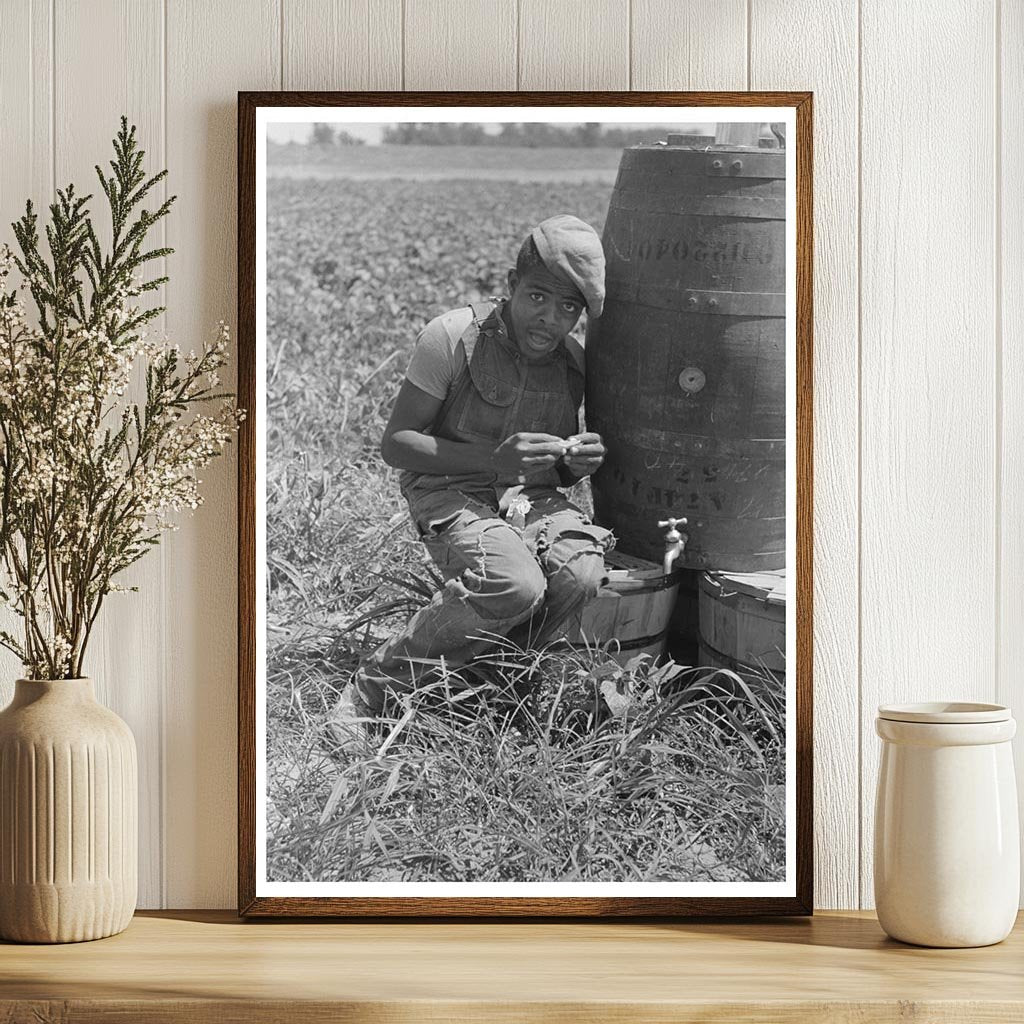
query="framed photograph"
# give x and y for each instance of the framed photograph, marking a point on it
(525, 493)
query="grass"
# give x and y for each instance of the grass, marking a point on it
(565, 765)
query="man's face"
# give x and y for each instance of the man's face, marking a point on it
(542, 310)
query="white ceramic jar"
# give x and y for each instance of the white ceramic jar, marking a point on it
(947, 846)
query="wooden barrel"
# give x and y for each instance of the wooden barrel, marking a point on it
(743, 625)
(694, 140)
(686, 367)
(633, 608)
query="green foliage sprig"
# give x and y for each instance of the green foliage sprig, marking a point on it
(88, 477)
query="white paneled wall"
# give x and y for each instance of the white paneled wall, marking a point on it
(928, 410)
(831, 71)
(919, 324)
(1008, 260)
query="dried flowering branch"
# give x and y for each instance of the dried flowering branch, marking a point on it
(88, 479)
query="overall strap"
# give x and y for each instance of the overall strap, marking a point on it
(480, 312)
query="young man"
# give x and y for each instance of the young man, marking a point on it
(485, 430)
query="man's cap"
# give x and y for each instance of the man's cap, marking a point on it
(571, 249)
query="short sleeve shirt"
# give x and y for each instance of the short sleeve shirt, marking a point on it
(438, 359)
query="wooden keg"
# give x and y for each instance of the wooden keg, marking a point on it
(743, 624)
(633, 609)
(686, 367)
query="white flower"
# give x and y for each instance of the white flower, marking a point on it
(97, 500)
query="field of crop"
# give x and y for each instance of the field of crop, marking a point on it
(428, 162)
(520, 783)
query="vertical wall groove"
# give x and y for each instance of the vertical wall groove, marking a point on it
(997, 232)
(31, 79)
(629, 36)
(750, 63)
(162, 851)
(1010, 281)
(860, 461)
(53, 97)
(519, 42)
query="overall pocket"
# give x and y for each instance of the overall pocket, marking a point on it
(488, 404)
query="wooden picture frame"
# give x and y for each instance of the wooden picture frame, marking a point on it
(260, 897)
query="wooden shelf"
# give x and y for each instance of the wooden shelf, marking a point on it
(197, 967)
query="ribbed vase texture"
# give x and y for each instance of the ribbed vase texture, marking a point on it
(68, 815)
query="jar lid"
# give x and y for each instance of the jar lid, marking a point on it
(945, 713)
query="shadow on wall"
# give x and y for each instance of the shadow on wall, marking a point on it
(201, 560)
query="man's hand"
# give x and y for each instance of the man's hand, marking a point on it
(527, 453)
(585, 455)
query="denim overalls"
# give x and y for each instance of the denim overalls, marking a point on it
(514, 576)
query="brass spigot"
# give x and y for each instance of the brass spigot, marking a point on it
(675, 542)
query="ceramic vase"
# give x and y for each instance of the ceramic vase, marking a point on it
(68, 815)
(947, 847)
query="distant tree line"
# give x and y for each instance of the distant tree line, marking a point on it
(326, 135)
(515, 134)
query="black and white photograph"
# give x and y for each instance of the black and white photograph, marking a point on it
(525, 516)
